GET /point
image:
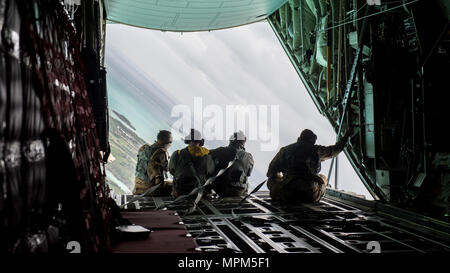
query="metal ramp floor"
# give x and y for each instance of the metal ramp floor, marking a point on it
(262, 226)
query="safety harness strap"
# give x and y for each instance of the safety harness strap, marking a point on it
(245, 198)
(209, 182)
(199, 190)
(147, 192)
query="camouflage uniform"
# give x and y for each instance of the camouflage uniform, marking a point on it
(152, 162)
(179, 166)
(234, 181)
(300, 165)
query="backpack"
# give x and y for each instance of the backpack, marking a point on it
(234, 181)
(186, 177)
(143, 158)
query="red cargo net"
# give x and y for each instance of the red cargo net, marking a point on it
(55, 56)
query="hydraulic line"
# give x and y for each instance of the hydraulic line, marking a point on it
(329, 56)
(348, 89)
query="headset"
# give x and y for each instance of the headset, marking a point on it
(235, 137)
(201, 141)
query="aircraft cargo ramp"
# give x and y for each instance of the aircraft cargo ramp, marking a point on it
(340, 223)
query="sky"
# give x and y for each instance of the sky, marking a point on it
(150, 73)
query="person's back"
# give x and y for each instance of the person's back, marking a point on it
(189, 164)
(299, 164)
(151, 163)
(300, 158)
(234, 181)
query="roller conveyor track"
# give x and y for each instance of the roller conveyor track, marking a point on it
(333, 226)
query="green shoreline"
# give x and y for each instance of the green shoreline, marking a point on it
(125, 144)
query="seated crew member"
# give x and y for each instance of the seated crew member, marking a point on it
(189, 164)
(152, 164)
(299, 164)
(234, 181)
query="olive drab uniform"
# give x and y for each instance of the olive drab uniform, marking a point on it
(152, 162)
(300, 165)
(234, 181)
(184, 178)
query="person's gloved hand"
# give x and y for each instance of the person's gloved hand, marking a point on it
(344, 139)
(348, 133)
